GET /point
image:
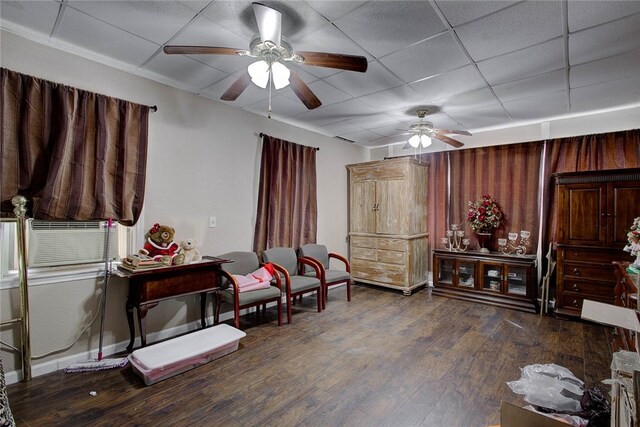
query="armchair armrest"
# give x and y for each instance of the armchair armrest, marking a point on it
(341, 258)
(285, 273)
(275, 276)
(317, 266)
(231, 280)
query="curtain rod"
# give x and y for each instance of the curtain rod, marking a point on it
(153, 108)
(264, 134)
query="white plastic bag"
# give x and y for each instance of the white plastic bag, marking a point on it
(550, 386)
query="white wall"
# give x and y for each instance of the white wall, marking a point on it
(203, 161)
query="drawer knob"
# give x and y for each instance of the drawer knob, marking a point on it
(575, 287)
(575, 303)
(576, 271)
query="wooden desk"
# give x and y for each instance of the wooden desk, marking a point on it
(625, 295)
(148, 287)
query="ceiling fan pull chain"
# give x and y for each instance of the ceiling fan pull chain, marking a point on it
(269, 109)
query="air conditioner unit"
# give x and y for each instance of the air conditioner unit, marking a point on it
(56, 243)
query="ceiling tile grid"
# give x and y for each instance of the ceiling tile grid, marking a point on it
(474, 64)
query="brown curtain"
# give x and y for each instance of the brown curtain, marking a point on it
(287, 203)
(75, 155)
(437, 195)
(615, 150)
(510, 174)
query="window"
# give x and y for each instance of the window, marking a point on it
(62, 249)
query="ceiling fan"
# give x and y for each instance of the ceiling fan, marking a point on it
(272, 52)
(422, 132)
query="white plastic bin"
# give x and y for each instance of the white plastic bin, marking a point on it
(166, 359)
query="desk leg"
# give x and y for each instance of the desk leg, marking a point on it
(142, 324)
(217, 297)
(132, 331)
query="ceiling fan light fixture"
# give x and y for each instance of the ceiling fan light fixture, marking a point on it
(414, 141)
(259, 72)
(425, 141)
(280, 75)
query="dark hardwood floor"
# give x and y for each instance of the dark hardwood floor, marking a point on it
(382, 360)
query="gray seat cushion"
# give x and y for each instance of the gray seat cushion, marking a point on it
(331, 276)
(251, 297)
(302, 283)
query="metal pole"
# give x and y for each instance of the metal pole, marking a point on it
(20, 203)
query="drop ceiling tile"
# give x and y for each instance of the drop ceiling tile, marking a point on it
(372, 121)
(383, 27)
(463, 79)
(190, 73)
(195, 5)
(362, 136)
(281, 107)
(517, 27)
(461, 11)
(532, 86)
(606, 95)
(376, 78)
(605, 40)
(88, 33)
(204, 32)
(466, 101)
(156, 21)
(320, 117)
(538, 107)
(332, 10)
(397, 128)
(617, 67)
(399, 97)
(481, 117)
(339, 128)
(583, 14)
(39, 16)
(539, 59)
(236, 16)
(426, 59)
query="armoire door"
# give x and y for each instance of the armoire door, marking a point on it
(363, 207)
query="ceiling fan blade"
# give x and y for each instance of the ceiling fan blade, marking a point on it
(335, 60)
(237, 87)
(202, 50)
(300, 88)
(269, 23)
(454, 143)
(454, 132)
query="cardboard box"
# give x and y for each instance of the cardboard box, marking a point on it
(515, 416)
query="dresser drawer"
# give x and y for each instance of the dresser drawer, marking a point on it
(392, 244)
(587, 255)
(391, 257)
(573, 300)
(602, 272)
(587, 289)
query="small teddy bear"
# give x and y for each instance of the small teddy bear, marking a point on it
(160, 246)
(189, 250)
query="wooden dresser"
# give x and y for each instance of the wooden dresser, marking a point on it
(595, 210)
(388, 223)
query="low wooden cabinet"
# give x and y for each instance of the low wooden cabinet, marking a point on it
(495, 279)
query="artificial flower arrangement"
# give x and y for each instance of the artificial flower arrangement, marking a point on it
(633, 237)
(484, 215)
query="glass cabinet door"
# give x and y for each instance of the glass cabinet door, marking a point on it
(466, 274)
(445, 271)
(491, 277)
(516, 280)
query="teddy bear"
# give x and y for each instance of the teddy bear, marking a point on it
(160, 246)
(189, 250)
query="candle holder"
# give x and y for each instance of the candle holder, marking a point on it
(512, 245)
(455, 240)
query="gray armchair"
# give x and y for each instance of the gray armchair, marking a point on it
(287, 263)
(330, 276)
(246, 263)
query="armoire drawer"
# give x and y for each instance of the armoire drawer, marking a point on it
(587, 255)
(391, 257)
(368, 254)
(392, 244)
(384, 273)
(363, 242)
(589, 271)
(586, 289)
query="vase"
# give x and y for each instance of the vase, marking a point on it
(483, 241)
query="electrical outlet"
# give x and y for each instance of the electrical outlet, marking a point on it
(212, 222)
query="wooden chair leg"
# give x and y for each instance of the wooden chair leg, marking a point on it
(289, 310)
(280, 312)
(349, 290)
(319, 294)
(236, 318)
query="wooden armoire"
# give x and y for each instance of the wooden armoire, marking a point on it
(595, 211)
(388, 223)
